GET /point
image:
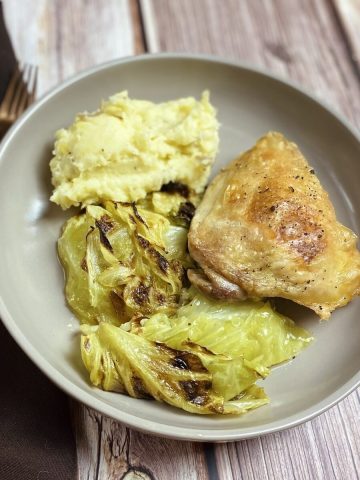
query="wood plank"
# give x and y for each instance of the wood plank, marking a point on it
(108, 450)
(349, 16)
(64, 37)
(137, 24)
(149, 26)
(303, 41)
(321, 449)
(300, 40)
(87, 428)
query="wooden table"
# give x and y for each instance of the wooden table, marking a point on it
(314, 42)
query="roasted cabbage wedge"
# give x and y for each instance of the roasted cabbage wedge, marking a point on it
(122, 259)
(253, 330)
(126, 362)
(205, 358)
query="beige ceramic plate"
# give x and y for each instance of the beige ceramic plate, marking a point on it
(249, 103)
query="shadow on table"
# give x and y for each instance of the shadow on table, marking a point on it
(36, 440)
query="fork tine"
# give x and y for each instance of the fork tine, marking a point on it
(6, 103)
(32, 84)
(19, 94)
(23, 92)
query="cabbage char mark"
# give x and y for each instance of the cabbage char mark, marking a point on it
(83, 265)
(138, 216)
(104, 225)
(141, 294)
(180, 362)
(117, 301)
(196, 390)
(139, 388)
(188, 361)
(142, 241)
(161, 261)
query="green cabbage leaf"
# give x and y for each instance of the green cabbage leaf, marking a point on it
(253, 330)
(122, 259)
(126, 362)
(204, 358)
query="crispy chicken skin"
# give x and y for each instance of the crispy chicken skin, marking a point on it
(266, 228)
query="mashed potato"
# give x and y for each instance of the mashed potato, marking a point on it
(131, 147)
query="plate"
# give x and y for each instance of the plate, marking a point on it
(249, 103)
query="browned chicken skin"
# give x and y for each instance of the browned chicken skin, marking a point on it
(266, 228)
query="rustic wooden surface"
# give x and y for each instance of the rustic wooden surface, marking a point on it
(315, 43)
(348, 12)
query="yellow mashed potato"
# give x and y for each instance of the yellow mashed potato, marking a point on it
(131, 147)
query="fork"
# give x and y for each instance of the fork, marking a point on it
(19, 94)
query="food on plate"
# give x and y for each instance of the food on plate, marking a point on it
(267, 228)
(145, 332)
(139, 171)
(127, 363)
(130, 147)
(122, 259)
(205, 358)
(249, 329)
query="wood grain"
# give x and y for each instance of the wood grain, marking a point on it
(109, 450)
(323, 449)
(64, 37)
(301, 39)
(150, 30)
(297, 39)
(349, 16)
(137, 26)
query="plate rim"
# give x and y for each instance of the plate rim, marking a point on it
(140, 424)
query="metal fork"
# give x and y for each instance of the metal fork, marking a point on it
(19, 94)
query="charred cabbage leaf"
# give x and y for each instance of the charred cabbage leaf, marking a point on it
(125, 362)
(252, 330)
(205, 358)
(122, 259)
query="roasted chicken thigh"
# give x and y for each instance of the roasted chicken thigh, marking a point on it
(266, 228)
